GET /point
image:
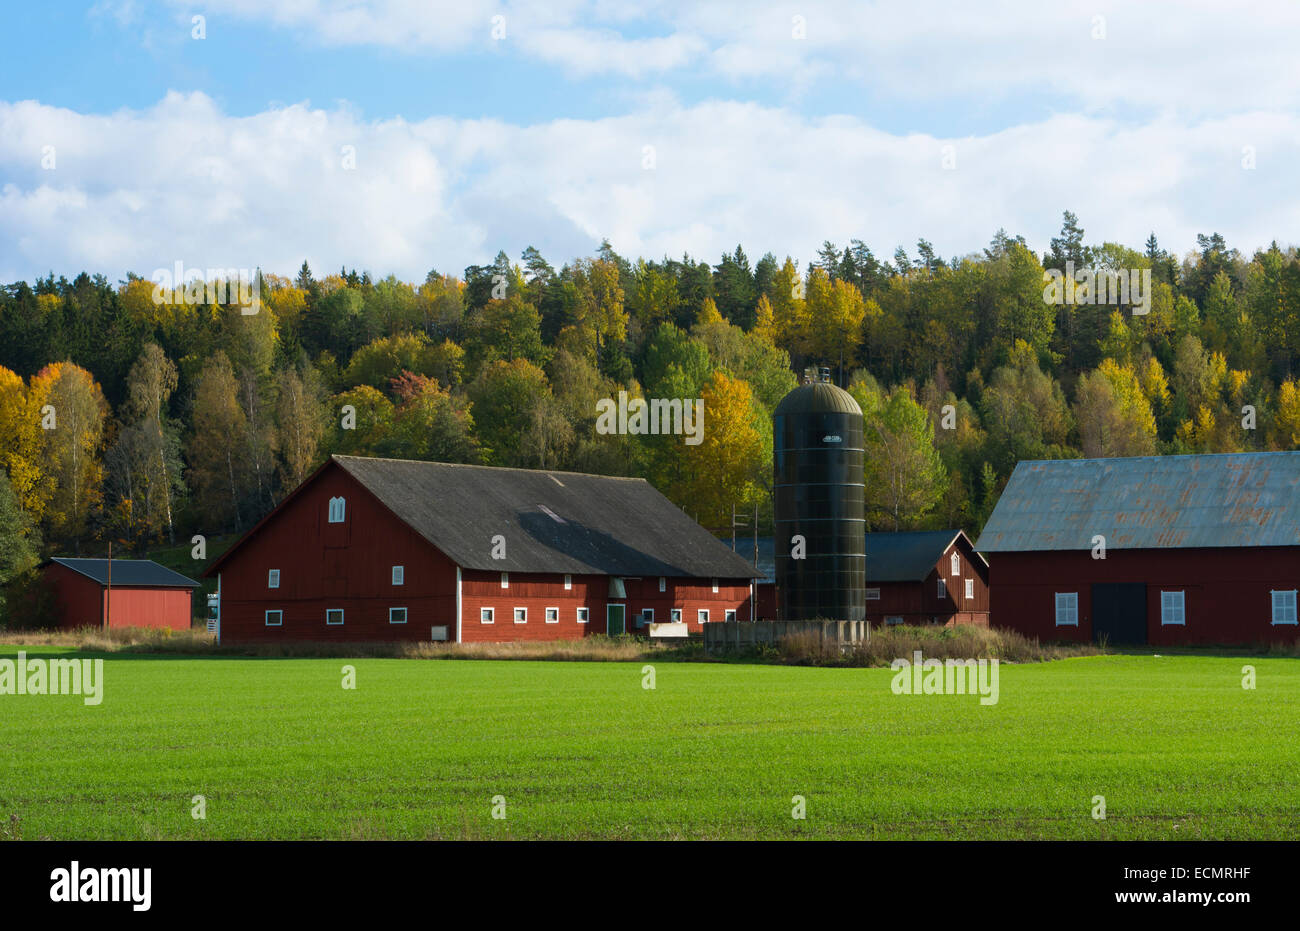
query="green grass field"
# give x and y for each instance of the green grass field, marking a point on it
(580, 750)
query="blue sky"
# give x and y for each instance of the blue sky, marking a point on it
(667, 127)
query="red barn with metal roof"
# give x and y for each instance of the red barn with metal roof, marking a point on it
(119, 593)
(1161, 550)
(384, 549)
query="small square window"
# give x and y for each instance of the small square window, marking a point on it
(1173, 608)
(715, 586)
(552, 615)
(730, 615)
(675, 615)
(702, 615)
(397, 615)
(1284, 607)
(873, 594)
(943, 589)
(583, 615)
(334, 616)
(568, 583)
(521, 615)
(399, 575)
(273, 578)
(274, 618)
(1067, 609)
(970, 588)
(647, 616)
(505, 580)
(487, 615)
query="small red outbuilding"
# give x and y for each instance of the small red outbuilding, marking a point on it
(119, 593)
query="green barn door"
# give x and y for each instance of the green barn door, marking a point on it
(615, 620)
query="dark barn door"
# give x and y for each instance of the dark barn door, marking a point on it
(1119, 612)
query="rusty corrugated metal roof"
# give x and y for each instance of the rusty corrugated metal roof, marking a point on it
(1149, 502)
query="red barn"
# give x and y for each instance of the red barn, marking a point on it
(385, 549)
(119, 593)
(1162, 550)
(926, 577)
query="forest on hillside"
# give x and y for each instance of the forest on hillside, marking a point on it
(143, 418)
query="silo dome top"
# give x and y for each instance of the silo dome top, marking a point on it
(818, 397)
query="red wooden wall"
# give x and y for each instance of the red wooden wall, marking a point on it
(919, 602)
(82, 601)
(1227, 591)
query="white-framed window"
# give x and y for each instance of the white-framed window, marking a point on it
(663, 584)
(338, 510)
(521, 615)
(334, 616)
(702, 615)
(1173, 608)
(1067, 609)
(873, 594)
(274, 618)
(273, 578)
(1284, 607)
(399, 575)
(970, 588)
(956, 564)
(568, 583)
(552, 615)
(715, 586)
(943, 589)
(893, 621)
(647, 615)
(397, 615)
(487, 615)
(584, 615)
(675, 615)
(730, 614)
(505, 580)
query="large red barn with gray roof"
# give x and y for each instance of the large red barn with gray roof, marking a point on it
(1197, 549)
(384, 549)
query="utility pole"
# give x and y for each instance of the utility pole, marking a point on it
(108, 594)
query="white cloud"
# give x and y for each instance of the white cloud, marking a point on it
(1197, 56)
(139, 190)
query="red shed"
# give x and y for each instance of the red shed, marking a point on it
(119, 593)
(1162, 550)
(386, 549)
(926, 577)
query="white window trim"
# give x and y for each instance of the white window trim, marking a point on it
(516, 615)
(568, 583)
(338, 510)
(715, 586)
(390, 615)
(1072, 612)
(943, 589)
(584, 615)
(893, 620)
(505, 580)
(663, 584)
(729, 615)
(547, 615)
(328, 612)
(272, 578)
(955, 565)
(970, 588)
(702, 615)
(648, 614)
(278, 614)
(873, 594)
(675, 615)
(1182, 609)
(491, 617)
(1294, 608)
(399, 575)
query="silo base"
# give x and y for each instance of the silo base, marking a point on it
(724, 636)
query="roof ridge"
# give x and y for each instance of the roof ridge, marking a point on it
(489, 468)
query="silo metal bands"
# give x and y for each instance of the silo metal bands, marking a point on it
(818, 450)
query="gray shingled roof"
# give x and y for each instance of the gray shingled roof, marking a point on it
(564, 522)
(1149, 502)
(128, 572)
(906, 557)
